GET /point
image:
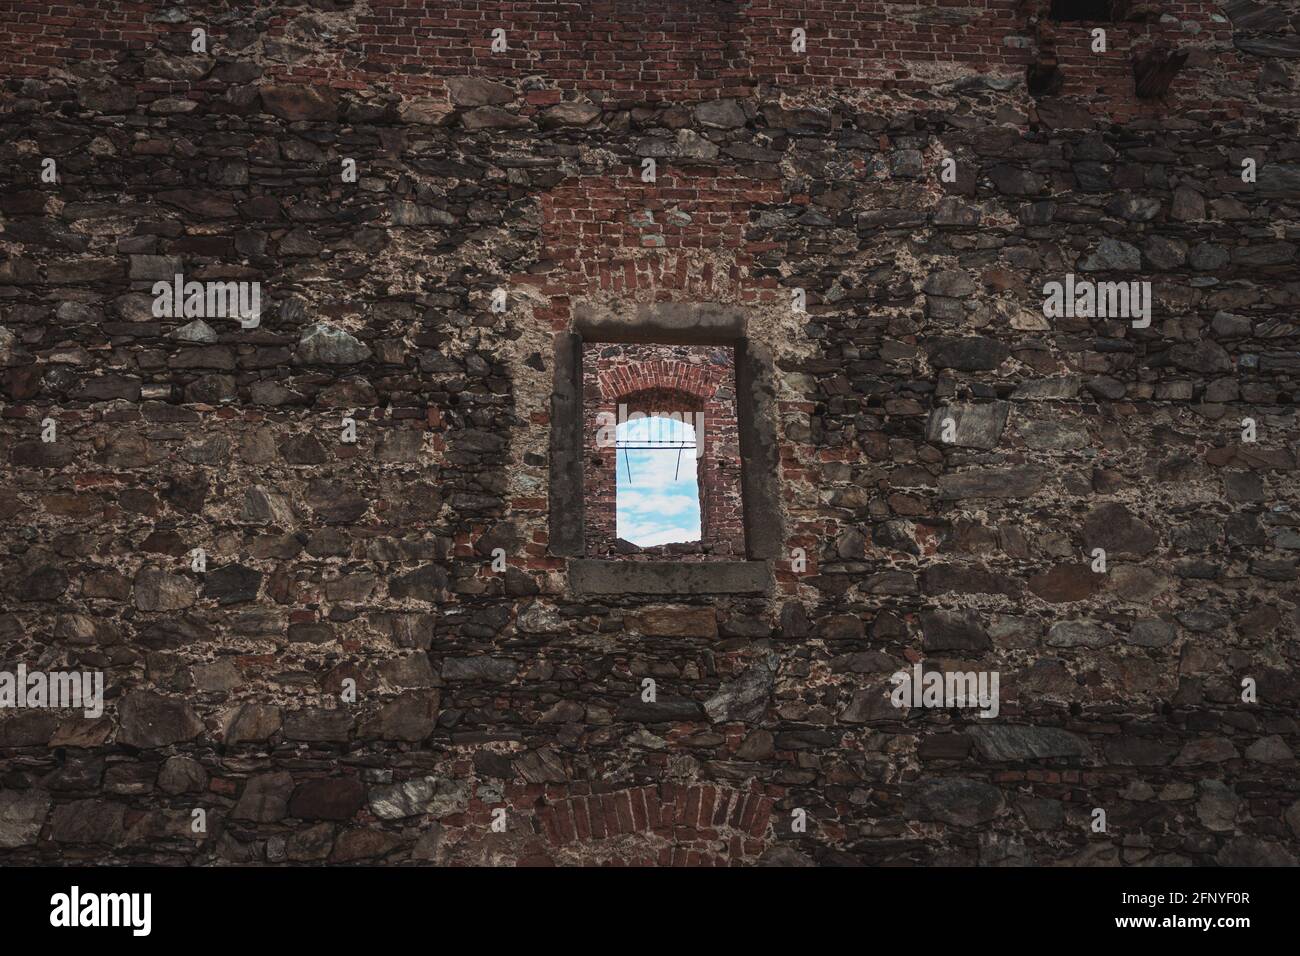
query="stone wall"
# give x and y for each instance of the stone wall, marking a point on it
(349, 680)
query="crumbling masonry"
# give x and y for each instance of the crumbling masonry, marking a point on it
(309, 638)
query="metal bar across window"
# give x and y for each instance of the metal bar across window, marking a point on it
(655, 447)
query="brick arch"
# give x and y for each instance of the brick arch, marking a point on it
(697, 380)
(668, 825)
(649, 400)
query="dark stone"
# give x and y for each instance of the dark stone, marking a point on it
(745, 698)
(953, 631)
(45, 583)
(408, 717)
(428, 583)
(1112, 527)
(89, 821)
(663, 710)
(300, 102)
(668, 577)
(954, 801)
(22, 814)
(265, 798)
(330, 798)
(232, 584)
(1065, 583)
(319, 725)
(255, 723)
(1011, 742)
(491, 670)
(974, 426)
(991, 483)
(148, 720)
(968, 354)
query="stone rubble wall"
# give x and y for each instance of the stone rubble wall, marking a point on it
(333, 564)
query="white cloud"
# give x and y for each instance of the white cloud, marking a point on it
(636, 501)
(660, 504)
(656, 469)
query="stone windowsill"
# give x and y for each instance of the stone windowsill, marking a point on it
(595, 576)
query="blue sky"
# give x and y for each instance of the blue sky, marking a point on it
(654, 508)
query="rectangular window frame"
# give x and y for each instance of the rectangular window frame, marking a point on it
(667, 323)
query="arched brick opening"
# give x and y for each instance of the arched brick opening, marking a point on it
(667, 825)
(663, 375)
(694, 381)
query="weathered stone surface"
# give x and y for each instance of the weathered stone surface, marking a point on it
(310, 843)
(746, 697)
(1131, 751)
(264, 505)
(570, 114)
(720, 114)
(1078, 634)
(1066, 583)
(22, 814)
(157, 590)
(968, 354)
(335, 566)
(1206, 750)
(408, 717)
(232, 584)
(329, 798)
(428, 583)
(492, 117)
(312, 103)
(150, 720)
(1008, 742)
(1152, 633)
(319, 724)
(540, 766)
(1112, 255)
(473, 91)
(663, 709)
(265, 798)
(363, 844)
(1272, 749)
(974, 426)
(1254, 851)
(252, 723)
(106, 97)
(182, 775)
(323, 344)
(492, 670)
(990, 483)
(675, 622)
(955, 801)
(434, 796)
(953, 631)
(425, 111)
(952, 283)
(413, 214)
(88, 821)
